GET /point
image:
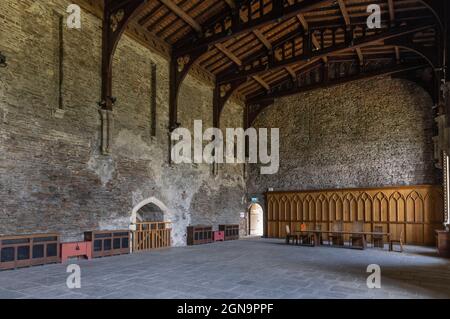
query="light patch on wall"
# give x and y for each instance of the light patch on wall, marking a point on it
(114, 223)
(184, 181)
(38, 7)
(171, 180)
(103, 167)
(136, 197)
(131, 145)
(72, 139)
(180, 219)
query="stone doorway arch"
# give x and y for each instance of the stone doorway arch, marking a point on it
(150, 209)
(255, 220)
(150, 226)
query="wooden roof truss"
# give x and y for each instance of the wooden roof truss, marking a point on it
(260, 50)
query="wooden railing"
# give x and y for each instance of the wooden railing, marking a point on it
(152, 235)
(416, 210)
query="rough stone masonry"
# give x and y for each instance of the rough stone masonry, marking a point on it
(371, 133)
(53, 177)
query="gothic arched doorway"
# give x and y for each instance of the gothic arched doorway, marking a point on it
(256, 220)
(150, 213)
(150, 228)
(151, 208)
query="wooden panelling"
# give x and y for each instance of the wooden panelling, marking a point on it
(28, 250)
(150, 236)
(417, 210)
(200, 234)
(231, 231)
(108, 242)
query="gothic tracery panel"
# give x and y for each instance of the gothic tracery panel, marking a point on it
(413, 211)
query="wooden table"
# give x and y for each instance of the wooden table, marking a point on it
(318, 234)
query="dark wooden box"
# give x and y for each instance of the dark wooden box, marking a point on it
(198, 235)
(231, 231)
(109, 242)
(28, 250)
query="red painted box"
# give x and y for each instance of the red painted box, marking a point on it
(219, 236)
(76, 249)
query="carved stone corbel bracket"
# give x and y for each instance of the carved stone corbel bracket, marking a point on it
(179, 68)
(116, 16)
(59, 113)
(222, 93)
(183, 62)
(252, 111)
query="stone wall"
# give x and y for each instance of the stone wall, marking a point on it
(366, 134)
(52, 176)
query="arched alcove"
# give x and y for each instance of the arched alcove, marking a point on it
(149, 210)
(150, 213)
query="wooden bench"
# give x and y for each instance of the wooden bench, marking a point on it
(108, 242)
(28, 250)
(231, 231)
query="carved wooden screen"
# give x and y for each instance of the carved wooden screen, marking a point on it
(417, 210)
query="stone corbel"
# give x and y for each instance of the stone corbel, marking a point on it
(59, 113)
(107, 124)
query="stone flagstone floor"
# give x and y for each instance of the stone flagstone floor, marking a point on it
(249, 268)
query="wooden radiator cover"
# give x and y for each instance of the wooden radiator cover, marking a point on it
(417, 210)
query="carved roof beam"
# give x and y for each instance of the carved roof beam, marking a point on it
(275, 61)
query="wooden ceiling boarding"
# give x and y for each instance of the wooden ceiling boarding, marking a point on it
(259, 50)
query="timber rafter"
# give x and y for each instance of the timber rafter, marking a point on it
(254, 48)
(300, 48)
(117, 14)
